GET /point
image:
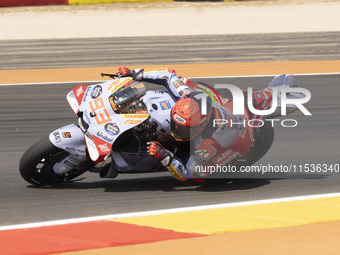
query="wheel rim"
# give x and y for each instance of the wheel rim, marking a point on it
(43, 172)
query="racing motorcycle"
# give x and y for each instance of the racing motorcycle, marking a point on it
(115, 120)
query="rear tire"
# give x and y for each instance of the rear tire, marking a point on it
(264, 138)
(36, 165)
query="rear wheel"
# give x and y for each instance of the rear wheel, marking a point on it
(264, 137)
(36, 165)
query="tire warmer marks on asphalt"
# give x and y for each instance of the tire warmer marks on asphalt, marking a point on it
(82, 236)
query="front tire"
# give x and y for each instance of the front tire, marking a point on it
(36, 165)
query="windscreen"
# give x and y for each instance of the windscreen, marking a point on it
(126, 99)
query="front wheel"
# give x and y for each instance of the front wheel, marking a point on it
(36, 165)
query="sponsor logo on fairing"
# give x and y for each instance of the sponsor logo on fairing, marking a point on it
(67, 134)
(96, 92)
(86, 94)
(165, 105)
(81, 151)
(113, 87)
(117, 84)
(103, 147)
(104, 137)
(132, 121)
(79, 91)
(57, 137)
(134, 116)
(112, 128)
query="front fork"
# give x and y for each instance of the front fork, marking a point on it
(69, 138)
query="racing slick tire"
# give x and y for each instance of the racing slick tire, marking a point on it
(36, 165)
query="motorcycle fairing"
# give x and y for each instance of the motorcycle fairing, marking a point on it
(159, 105)
(69, 138)
(104, 124)
(132, 163)
(75, 97)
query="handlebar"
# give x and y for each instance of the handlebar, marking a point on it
(113, 76)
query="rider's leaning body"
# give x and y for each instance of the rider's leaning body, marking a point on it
(212, 143)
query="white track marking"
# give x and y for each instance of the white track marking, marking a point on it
(166, 211)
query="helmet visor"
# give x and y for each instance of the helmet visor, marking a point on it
(182, 133)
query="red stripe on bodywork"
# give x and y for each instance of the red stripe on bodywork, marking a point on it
(79, 92)
(81, 236)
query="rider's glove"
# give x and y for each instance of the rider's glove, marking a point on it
(124, 72)
(136, 74)
(156, 150)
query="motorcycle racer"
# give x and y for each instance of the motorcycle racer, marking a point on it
(122, 128)
(210, 143)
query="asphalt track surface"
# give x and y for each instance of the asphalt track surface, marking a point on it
(166, 50)
(30, 112)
